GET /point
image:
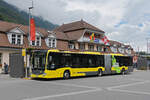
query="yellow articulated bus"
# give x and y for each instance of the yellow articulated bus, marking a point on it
(66, 64)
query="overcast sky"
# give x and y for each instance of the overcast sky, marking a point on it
(127, 21)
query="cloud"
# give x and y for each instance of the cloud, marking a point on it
(127, 21)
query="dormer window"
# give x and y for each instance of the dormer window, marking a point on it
(51, 40)
(71, 45)
(16, 39)
(15, 36)
(37, 41)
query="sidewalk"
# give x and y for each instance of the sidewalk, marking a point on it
(4, 76)
(136, 70)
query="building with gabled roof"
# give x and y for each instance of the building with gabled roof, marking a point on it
(75, 36)
(78, 25)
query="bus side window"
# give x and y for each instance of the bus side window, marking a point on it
(91, 61)
(67, 63)
(119, 60)
(84, 61)
(75, 60)
(102, 60)
(49, 62)
(62, 61)
(98, 61)
(81, 63)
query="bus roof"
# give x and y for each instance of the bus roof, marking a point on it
(87, 52)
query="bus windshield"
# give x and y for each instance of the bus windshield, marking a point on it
(39, 60)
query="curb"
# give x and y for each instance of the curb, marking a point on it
(27, 78)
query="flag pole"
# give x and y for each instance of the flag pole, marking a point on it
(30, 8)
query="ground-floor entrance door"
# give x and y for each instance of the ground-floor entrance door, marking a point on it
(16, 64)
(0, 61)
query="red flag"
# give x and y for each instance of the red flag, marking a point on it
(105, 40)
(32, 30)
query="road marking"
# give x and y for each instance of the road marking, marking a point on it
(74, 85)
(133, 79)
(125, 85)
(113, 88)
(63, 94)
(134, 92)
(94, 89)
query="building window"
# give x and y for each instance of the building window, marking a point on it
(13, 38)
(99, 48)
(33, 43)
(91, 47)
(121, 50)
(16, 39)
(82, 46)
(106, 49)
(52, 42)
(0, 58)
(114, 49)
(71, 46)
(37, 42)
(128, 51)
(49, 42)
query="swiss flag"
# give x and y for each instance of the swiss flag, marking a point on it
(32, 30)
(105, 40)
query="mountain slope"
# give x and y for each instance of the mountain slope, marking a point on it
(10, 13)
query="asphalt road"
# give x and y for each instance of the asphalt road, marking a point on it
(135, 86)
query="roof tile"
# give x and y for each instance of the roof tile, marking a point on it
(77, 26)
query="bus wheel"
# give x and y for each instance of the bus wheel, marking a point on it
(66, 75)
(100, 72)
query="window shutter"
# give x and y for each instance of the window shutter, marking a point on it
(55, 43)
(21, 39)
(46, 41)
(9, 35)
(30, 42)
(40, 41)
